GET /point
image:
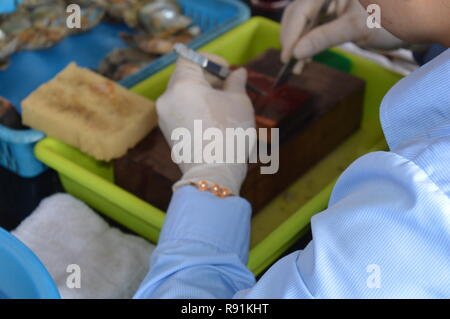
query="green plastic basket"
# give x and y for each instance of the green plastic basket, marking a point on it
(286, 218)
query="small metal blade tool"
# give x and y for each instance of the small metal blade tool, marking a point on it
(220, 71)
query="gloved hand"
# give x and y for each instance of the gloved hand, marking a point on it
(190, 97)
(302, 39)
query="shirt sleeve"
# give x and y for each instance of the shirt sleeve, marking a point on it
(387, 229)
(203, 248)
(384, 235)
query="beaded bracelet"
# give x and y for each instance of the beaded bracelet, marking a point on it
(216, 189)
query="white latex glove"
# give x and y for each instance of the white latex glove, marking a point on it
(301, 39)
(190, 97)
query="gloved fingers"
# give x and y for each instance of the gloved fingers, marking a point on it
(215, 58)
(339, 31)
(290, 34)
(296, 19)
(213, 80)
(298, 68)
(187, 82)
(341, 7)
(236, 82)
(380, 39)
(187, 72)
(287, 14)
(332, 7)
(286, 23)
(337, 7)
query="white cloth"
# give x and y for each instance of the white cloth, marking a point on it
(63, 231)
(400, 61)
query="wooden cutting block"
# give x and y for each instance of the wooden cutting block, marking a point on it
(334, 114)
(327, 111)
(148, 171)
(286, 107)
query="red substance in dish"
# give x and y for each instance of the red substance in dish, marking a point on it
(279, 103)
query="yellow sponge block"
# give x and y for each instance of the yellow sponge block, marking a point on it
(87, 111)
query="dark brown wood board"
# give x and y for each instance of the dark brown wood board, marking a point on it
(329, 114)
(337, 101)
(148, 171)
(9, 117)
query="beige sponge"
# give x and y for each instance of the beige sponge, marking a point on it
(87, 111)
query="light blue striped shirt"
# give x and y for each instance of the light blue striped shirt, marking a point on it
(385, 233)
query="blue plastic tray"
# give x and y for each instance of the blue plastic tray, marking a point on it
(215, 17)
(29, 69)
(22, 274)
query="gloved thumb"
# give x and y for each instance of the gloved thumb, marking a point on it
(213, 80)
(236, 82)
(187, 72)
(345, 28)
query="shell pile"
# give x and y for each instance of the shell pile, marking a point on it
(40, 24)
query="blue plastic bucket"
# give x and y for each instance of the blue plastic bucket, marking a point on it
(214, 17)
(22, 275)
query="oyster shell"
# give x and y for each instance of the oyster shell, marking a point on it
(92, 13)
(156, 45)
(163, 16)
(37, 24)
(123, 62)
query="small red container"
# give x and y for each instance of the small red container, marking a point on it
(272, 9)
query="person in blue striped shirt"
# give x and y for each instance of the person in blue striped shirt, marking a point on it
(386, 231)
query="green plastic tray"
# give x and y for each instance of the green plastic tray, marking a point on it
(285, 219)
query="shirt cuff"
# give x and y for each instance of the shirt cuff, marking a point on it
(223, 223)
